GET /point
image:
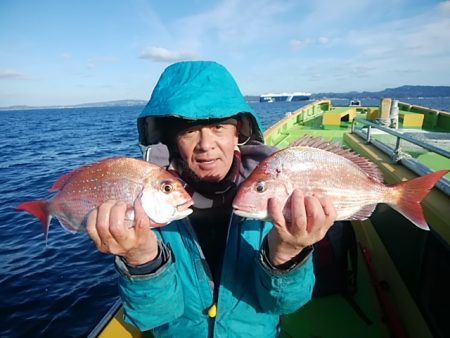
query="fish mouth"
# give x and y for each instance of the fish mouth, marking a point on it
(179, 212)
(259, 215)
(182, 210)
(182, 214)
(184, 206)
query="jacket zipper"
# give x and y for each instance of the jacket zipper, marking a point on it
(214, 291)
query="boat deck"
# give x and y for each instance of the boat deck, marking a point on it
(403, 272)
(386, 234)
(398, 248)
(339, 316)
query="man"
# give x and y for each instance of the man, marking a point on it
(213, 274)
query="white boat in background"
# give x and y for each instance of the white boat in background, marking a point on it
(284, 97)
(355, 103)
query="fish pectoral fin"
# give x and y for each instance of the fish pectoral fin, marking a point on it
(363, 213)
(67, 224)
(73, 214)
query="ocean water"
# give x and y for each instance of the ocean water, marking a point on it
(64, 286)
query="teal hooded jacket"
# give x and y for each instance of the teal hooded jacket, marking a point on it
(180, 299)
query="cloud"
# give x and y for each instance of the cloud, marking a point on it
(444, 7)
(65, 56)
(411, 38)
(105, 59)
(100, 60)
(220, 30)
(323, 40)
(297, 44)
(160, 54)
(10, 74)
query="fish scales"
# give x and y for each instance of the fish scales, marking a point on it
(353, 183)
(118, 179)
(161, 193)
(318, 171)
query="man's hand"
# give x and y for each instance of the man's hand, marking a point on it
(114, 233)
(311, 217)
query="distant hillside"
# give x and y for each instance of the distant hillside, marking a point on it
(399, 92)
(118, 103)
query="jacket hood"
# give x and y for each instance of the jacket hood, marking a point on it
(196, 90)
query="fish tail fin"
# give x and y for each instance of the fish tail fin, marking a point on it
(38, 209)
(412, 192)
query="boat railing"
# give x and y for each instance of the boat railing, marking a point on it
(396, 154)
(95, 332)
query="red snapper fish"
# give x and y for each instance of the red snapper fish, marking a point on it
(354, 184)
(161, 193)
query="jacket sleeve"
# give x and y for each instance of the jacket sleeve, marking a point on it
(283, 291)
(151, 299)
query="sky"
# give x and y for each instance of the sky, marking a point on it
(57, 52)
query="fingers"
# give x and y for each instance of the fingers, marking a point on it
(98, 226)
(299, 210)
(141, 219)
(328, 208)
(292, 214)
(118, 224)
(310, 218)
(321, 215)
(106, 227)
(103, 225)
(303, 212)
(314, 211)
(91, 228)
(275, 210)
(111, 232)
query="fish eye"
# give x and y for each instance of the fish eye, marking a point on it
(260, 186)
(167, 187)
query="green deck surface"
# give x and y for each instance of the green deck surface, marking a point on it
(435, 161)
(310, 128)
(333, 316)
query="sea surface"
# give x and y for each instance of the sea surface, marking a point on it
(63, 286)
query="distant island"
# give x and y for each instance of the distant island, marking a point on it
(397, 93)
(117, 103)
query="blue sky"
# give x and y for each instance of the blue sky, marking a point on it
(70, 52)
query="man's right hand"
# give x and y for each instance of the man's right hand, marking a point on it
(113, 233)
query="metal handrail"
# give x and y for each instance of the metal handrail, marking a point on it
(397, 155)
(399, 136)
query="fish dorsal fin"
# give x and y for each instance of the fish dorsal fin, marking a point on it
(62, 181)
(363, 163)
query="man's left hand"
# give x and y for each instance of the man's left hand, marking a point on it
(311, 217)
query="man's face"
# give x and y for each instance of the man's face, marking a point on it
(208, 149)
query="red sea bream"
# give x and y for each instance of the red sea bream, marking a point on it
(162, 194)
(354, 184)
